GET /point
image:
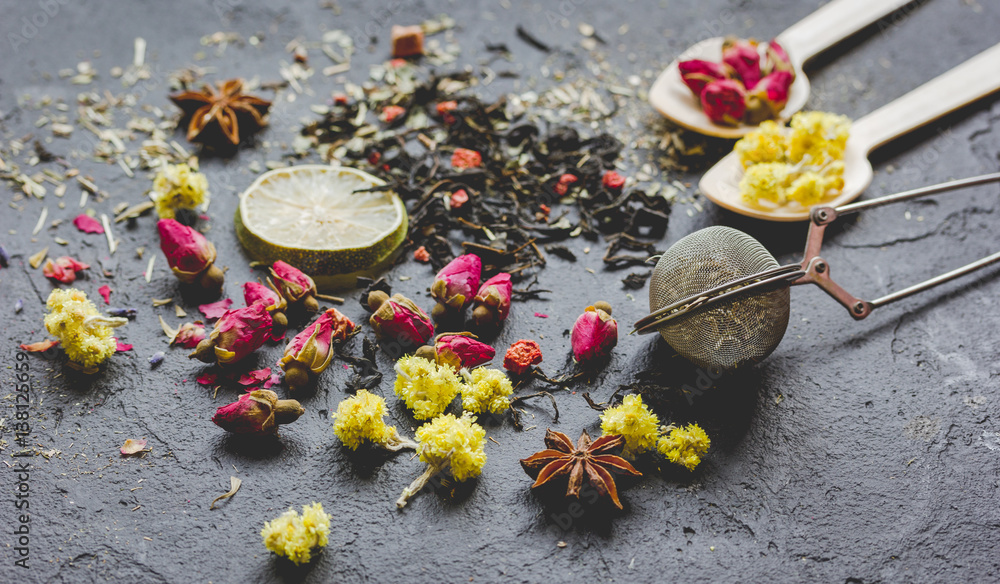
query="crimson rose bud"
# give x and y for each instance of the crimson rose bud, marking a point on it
(459, 350)
(237, 334)
(310, 352)
(493, 301)
(399, 319)
(595, 333)
(295, 285)
(776, 59)
(742, 56)
(456, 284)
(769, 97)
(697, 73)
(724, 102)
(257, 412)
(273, 301)
(191, 257)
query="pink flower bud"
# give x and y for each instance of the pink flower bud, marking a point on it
(257, 412)
(63, 269)
(190, 255)
(776, 59)
(696, 73)
(595, 333)
(724, 102)
(310, 352)
(462, 350)
(522, 356)
(493, 301)
(399, 319)
(742, 56)
(189, 335)
(294, 285)
(456, 284)
(237, 334)
(255, 292)
(767, 100)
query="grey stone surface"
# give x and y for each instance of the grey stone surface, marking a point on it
(859, 452)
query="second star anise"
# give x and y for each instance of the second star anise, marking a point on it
(593, 460)
(223, 111)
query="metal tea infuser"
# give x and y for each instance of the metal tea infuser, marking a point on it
(721, 300)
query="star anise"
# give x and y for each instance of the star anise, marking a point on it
(594, 460)
(222, 111)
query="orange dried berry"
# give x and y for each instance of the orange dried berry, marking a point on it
(522, 356)
(465, 158)
(421, 254)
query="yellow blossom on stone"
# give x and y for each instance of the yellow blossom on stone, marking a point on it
(633, 421)
(819, 135)
(424, 386)
(685, 445)
(84, 333)
(295, 536)
(179, 186)
(765, 144)
(448, 444)
(766, 181)
(359, 418)
(486, 390)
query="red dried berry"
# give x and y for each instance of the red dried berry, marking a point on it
(421, 254)
(522, 356)
(612, 180)
(465, 158)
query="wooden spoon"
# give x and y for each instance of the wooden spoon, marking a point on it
(817, 32)
(970, 81)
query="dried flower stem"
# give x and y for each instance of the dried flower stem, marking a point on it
(420, 482)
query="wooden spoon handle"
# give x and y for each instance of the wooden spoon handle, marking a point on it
(970, 81)
(833, 22)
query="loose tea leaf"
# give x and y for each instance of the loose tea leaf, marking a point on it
(234, 486)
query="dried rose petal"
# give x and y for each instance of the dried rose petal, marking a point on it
(39, 347)
(724, 102)
(121, 347)
(458, 198)
(63, 269)
(189, 335)
(493, 301)
(309, 353)
(522, 356)
(215, 310)
(444, 110)
(456, 283)
(254, 377)
(742, 56)
(562, 186)
(257, 412)
(88, 224)
(595, 333)
(464, 158)
(462, 350)
(422, 255)
(105, 292)
(391, 112)
(133, 446)
(613, 181)
(697, 73)
(399, 319)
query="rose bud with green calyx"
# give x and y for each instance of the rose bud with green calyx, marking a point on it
(493, 301)
(457, 350)
(191, 257)
(273, 301)
(742, 56)
(237, 334)
(399, 319)
(257, 412)
(769, 97)
(724, 102)
(595, 333)
(456, 284)
(295, 286)
(309, 353)
(697, 73)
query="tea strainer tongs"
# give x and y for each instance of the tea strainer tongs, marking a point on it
(721, 300)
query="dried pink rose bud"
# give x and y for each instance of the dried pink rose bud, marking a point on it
(257, 412)
(697, 73)
(237, 334)
(595, 333)
(63, 269)
(742, 56)
(776, 59)
(456, 284)
(309, 353)
(767, 100)
(189, 335)
(273, 301)
(458, 350)
(294, 285)
(724, 102)
(399, 319)
(190, 255)
(493, 301)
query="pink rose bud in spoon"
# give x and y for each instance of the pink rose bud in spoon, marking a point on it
(697, 73)
(724, 101)
(769, 97)
(742, 56)
(776, 59)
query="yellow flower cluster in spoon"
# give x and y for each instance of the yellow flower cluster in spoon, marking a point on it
(805, 164)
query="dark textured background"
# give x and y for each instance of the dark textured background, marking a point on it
(859, 452)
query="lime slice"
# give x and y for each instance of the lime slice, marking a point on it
(312, 217)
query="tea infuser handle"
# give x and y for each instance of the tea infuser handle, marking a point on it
(966, 83)
(817, 270)
(832, 23)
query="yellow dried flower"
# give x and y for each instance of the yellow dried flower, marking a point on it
(765, 144)
(178, 186)
(685, 445)
(486, 390)
(84, 333)
(295, 536)
(633, 421)
(359, 418)
(820, 136)
(448, 443)
(767, 181)
(426, 387)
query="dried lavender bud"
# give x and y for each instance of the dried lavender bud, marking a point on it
(156, 359)
(18, 306)
(125, 312)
